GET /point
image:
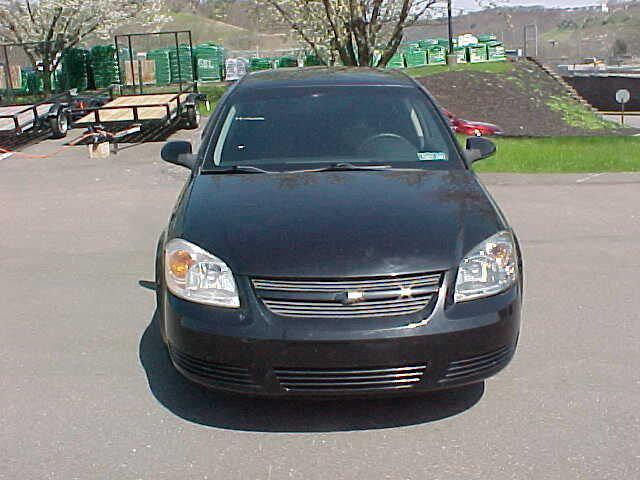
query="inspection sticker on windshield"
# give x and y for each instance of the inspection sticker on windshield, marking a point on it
(432, 156)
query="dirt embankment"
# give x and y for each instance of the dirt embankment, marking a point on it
(524, 101)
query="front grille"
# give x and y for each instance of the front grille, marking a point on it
(215, 372)
(389, 378)
(349, 298)
(473, 366)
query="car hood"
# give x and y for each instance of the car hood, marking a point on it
(338, 224)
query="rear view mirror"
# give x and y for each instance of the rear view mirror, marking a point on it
(179, 152)
(479, 148)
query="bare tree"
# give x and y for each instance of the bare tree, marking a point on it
(47, 27)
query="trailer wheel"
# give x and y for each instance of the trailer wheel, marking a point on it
(59, 125)
(192, 117)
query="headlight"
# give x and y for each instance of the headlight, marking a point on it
(194, 274)
(488, 269)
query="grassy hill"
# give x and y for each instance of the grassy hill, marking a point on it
(519, 96)
(577, 33)
(231, 36)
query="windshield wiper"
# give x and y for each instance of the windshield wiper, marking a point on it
(236, 169)
(345, 167)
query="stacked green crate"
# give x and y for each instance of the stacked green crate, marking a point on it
(397, 61)
(104, 64)
(287, 61)
(427, 42)
(160, 57)
(312, 60)
(415, 57)
(181, 64)
(260, 63)
(32, 82)
(437, 55)
(487, 37)
(495, 52)
(461, 53)
(74, 69)
(210, 60)
(477, 53)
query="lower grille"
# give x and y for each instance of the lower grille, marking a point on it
(350, 379)
(215, 372)
(473, 366)
(349, 298)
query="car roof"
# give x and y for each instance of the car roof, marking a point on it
(324, 76)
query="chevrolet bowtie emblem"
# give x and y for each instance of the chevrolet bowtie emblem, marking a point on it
(349, 297)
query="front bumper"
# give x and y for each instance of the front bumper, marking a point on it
(250, 350)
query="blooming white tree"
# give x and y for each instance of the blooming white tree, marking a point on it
(47, 27)
(351, 29)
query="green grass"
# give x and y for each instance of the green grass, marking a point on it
(213, 91)
(577, 115)
(488, 67)
(564, 155)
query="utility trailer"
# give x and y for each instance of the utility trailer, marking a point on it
(48, 115)
(147, 111)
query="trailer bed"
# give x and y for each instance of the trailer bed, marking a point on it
(26, 116)
(129, 108)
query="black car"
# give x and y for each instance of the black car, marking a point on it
(333, 240)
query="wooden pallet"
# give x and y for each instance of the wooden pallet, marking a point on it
(26, 119)
(124, 112)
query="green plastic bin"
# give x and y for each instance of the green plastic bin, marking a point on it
(287, 61)
(73, 73)
(461, 54)
(437, 55)
(160, 58)
(260, 63)
(210, 59)
(487, 37)
(477, 53)
(416, 57)
(397, 61)
(104, 65)
(496, 52)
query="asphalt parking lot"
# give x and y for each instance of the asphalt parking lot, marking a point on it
(629, 120)
(86, 390)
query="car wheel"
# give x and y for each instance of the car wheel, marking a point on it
(59, 125)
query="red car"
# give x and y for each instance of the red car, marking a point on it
(466, 127)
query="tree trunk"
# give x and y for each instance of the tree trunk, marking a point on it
(46, 77)
(389, 52)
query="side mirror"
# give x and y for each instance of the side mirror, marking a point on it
(179, 152)
(479, 148)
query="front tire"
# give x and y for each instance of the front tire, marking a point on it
(59, 125)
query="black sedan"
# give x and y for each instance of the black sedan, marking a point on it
(333, 240)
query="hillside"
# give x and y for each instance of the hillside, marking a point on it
(203, 29)
(231, 36)
(518, 96)
(577, 33)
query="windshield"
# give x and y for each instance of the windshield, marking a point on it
(319, 125)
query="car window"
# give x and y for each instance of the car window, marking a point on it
(331, 124)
